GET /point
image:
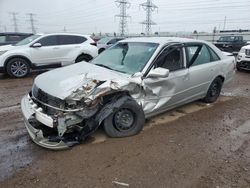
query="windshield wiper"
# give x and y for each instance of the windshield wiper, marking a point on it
(105, 66)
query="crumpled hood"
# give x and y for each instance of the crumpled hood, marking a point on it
(78, 80)
(7, 47)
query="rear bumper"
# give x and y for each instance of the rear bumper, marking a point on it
(37, 135)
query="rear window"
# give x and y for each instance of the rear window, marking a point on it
(13, 38)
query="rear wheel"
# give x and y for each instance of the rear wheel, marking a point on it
(128, 120)
(83, 57)
(18, 67)
(101, 50)
(214, 91)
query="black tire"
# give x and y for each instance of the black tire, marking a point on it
(101, 50)
(114, 124)
(214, 90)
(238, 67)
(83, 57)
(18, 67)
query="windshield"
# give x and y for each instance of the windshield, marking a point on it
(126, 57)
(27, 40)
(226, 39)
(104, 40)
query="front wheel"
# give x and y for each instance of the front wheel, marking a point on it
(214, 90)
(128, 120)
(18, 68)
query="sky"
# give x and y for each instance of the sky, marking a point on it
(94, 16)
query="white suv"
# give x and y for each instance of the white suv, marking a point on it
(46, 51)
(243, 58)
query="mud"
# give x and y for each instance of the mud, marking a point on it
(196, 145)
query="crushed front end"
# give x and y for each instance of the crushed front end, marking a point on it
(57, 124)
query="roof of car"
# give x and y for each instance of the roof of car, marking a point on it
(161, 40)
(77, 34)
(15, 33)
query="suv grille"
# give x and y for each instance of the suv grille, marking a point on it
(47, 99)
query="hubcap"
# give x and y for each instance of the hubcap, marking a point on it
(19, 69)
(124, 120)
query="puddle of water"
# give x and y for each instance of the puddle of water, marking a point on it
(240, 135)
(16, 153)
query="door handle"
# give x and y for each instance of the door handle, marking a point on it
(56, 48)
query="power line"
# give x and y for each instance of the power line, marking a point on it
(32, 22)
(149, 7)
(14, 19)
(123, 5)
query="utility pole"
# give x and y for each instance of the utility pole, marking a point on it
(225, 21)
(149, 7)
(32, 22)
(14, 19)
(123, 5)
(64, 29)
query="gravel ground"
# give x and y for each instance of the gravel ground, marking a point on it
(193, 146)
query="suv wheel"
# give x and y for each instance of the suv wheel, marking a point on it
(18, 67)
(126, 121)
(214, 90)
(84, 57)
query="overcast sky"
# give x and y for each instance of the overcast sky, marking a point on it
(88, 16)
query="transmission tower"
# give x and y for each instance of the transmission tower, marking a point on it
(123, 5)
(149, 7)
(14, 19)
(32, 22)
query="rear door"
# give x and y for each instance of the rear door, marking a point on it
(70, 47)
(202, 63)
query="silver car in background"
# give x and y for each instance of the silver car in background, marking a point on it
(133, 80)
(107, 42)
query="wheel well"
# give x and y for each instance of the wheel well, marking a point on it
(221, 77)
(87, 55)
(17, 56)
(101, 50)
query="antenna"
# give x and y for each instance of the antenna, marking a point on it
(149, 7)
(123, 5)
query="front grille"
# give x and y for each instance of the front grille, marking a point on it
(47, 99)
(248, 52)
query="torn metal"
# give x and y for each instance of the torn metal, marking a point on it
(82, 103)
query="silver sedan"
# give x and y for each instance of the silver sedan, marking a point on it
(133, 80)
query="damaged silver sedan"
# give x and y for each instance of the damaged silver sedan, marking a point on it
(133, 80)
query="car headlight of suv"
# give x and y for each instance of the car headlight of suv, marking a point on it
(2, 52)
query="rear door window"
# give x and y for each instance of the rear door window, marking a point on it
(198, 55)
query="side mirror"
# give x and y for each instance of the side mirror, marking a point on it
(109, 43)
(37, 45)
(158, 73)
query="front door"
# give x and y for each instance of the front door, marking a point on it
(49, 53)
(164, 93)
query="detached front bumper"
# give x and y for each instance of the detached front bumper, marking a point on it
(30, 111)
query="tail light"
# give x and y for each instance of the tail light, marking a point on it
(93, 43)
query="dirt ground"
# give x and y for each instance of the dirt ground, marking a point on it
(197, 145)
